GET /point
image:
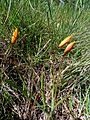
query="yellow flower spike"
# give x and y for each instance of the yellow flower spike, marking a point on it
(69, 47)
(65, 41)
(14, 36)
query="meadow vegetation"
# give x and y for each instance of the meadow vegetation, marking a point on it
(37, 81)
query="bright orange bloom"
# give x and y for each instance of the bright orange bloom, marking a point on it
(65, 41)
(14, 36)
(69, 47)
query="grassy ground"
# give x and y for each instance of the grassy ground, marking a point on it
(36, 81)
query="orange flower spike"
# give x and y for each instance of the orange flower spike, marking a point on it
(69, 47)
(65, 41)
(14, 36)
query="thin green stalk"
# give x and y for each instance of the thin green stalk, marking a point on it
(42, 91)
(49, 6)
(8, 12)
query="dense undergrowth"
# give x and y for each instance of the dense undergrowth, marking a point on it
(36, 81)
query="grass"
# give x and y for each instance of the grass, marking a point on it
(36, 81)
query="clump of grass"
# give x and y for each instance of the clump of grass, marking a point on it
(35, 82)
